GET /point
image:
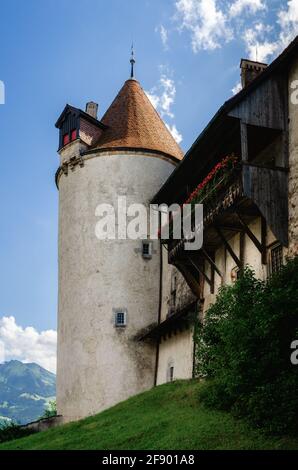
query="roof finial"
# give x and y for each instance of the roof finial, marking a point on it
(132, 61)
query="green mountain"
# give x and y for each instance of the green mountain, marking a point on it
(168, 417)
(25, 390)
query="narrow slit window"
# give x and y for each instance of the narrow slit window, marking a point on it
(174, 292)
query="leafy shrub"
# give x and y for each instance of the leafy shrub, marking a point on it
(50, 411)
(11, 430)
(244, 346)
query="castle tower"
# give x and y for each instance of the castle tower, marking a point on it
(108, 289)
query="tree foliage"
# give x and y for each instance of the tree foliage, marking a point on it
(244, 345)
(50, 411)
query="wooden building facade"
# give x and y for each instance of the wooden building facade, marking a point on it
(251, 218)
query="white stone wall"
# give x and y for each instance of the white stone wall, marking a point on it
(293, 165)
(176, 352)
(100, 365)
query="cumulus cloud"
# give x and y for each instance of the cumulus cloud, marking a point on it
(27, 344)
(162, 97)
(175, 133)
(163, 32)
(206, 22)
(213, 23)
(251, 6)
(257, 46)
(288, 22)
(236, 88)
(269, 41)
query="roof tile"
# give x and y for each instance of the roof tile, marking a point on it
(134, 123)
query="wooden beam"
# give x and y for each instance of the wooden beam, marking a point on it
(264, 239)
(212, 262)
(244, 141)
(250, 234)
(242, 248)
(229, 248)
(212, 279)
(231, 228)
(247, 211)
(190, 279)
(200, 270)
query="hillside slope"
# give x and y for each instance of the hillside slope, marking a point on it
(167, 417)
(25, 390)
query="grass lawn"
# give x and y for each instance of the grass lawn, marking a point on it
(168, 417)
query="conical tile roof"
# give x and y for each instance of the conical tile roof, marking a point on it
(134, 123)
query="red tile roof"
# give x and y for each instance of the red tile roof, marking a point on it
(134, 123)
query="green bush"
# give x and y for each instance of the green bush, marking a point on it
(10, 431)
(50, 411)
(245, 347)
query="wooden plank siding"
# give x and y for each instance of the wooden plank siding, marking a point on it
(268, 189)
(266, 106)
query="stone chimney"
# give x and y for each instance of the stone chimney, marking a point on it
(250, 70)
(91, 109)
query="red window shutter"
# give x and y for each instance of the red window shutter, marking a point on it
(66, 139)
(74, 134)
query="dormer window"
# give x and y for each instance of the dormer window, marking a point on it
(66, 139)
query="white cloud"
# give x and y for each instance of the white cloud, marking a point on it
(175, 133)
(252, 6)
(162, 97)
(163, 35)
(257, 47)
(258, 39)
(288, 22)
(212, 23)
(27, 344)
(206, 22)
(237, 88)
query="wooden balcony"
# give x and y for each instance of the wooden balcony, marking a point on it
(250, 191)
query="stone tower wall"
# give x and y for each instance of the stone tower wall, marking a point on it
(99, 364)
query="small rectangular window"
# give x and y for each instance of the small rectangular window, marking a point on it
(276, 259)
(73, 134)
(146, 249)
(120, 318)
(171, 374)
(66, 139)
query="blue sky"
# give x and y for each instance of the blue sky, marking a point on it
(61, 51)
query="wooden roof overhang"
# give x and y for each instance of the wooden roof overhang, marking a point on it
(255, 114)
(177, 321)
